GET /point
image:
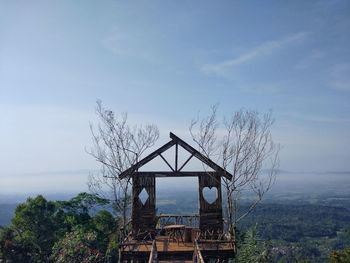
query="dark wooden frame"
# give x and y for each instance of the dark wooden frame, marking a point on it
(144, 215)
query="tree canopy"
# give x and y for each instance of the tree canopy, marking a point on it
(53, 231)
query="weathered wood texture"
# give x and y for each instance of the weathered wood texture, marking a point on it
(210, 215)
(197, 254)
(176, 251)
(176, 141)
(200, 156)
(174, 174)
(143, 215)
(171, 219)
(147, 159)
(153, 257)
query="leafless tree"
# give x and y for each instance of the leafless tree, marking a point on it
(244, 145)
(117, 146)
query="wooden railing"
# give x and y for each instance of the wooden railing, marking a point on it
(153, 256)
(191, 220)
(197, 255)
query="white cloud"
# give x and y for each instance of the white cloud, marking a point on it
(116, 43)
(42, 137)
(44, 183)
(130, 45)
(264, 49)
(309, 148)
(264, 88)
(340, 77)
(307, 61)
(315, 117)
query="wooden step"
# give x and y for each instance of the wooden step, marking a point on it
(175, 261)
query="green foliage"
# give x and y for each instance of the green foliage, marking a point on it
(83, 203)
(297, 232)
(77, 246)
(292, 223)
(105, 226)
(6, 213)
(301, 232)
(34, 229)
(78, 209)
(10, 249)
(48, 231)
(340, 256)
(251, 250)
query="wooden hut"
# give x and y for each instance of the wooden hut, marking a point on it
(149, 240)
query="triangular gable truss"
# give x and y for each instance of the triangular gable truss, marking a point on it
(176, 171)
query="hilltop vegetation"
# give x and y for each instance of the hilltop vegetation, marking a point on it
(6, 213)
(298, 228)
(303, 231)
(290, 231)
(60, 231)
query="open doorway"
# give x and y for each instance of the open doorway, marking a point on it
(177, 195)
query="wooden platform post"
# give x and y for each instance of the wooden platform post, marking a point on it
(210, 214)
(143, 214)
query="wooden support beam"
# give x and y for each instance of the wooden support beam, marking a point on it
(153, 257)
(176, 155)
(197, 255)
(176, 141)
(175, 174)
(171, 168)
(147, 159)
(188, 159)
(200, 156)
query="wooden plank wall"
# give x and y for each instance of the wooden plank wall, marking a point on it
(143, 215)
(210, 215)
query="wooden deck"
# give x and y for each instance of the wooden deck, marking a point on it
(174, 251)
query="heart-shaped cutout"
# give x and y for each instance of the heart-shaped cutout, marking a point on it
(210, 194)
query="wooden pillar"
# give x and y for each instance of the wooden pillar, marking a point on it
(210, 214)
(143, 214)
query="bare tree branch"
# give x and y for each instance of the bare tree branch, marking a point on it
(117, 146)
(245, 147)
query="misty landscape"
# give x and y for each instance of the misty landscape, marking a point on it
(305, 215)
(174, 131)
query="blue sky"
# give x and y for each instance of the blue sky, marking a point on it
(162, 62)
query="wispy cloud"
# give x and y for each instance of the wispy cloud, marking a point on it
(264, 49)
(340, 77)
(264, 87)
(308, 60)
(83, 172)
(131, 45)
(316, 118)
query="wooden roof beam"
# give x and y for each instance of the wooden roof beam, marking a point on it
(176, 140)
(147, 159)
(175, 174)
(200, 156)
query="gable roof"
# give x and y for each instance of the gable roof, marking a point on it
(176, 140)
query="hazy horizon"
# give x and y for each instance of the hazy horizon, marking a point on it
(162, 63)
(286, 182)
